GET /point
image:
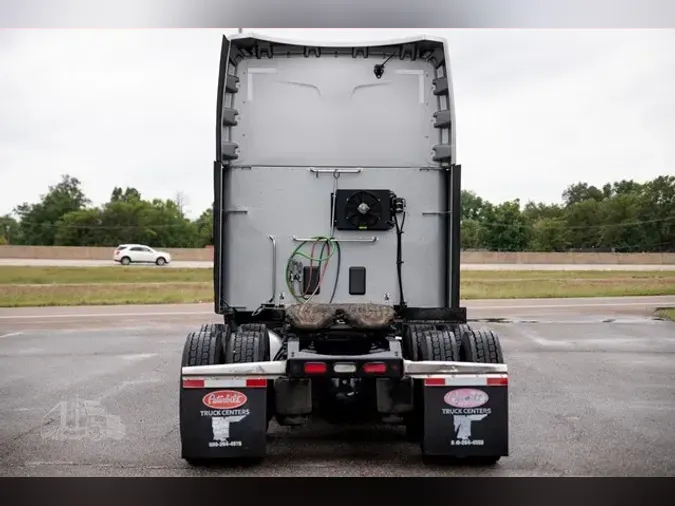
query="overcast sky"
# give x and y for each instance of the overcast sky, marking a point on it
(536, 109)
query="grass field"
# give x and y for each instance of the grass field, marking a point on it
(67, 286)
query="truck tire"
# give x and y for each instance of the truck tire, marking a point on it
(221, 329)
(203, 348)
(478, 345)
(439, 345)
(413, 334)
(436, 345)
(482, 346)
(461, 329)
(249, 344)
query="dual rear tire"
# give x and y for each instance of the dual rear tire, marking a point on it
(215, 344)
(439, 343)
(464, 343)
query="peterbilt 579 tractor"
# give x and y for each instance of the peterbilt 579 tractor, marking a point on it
(336, 228)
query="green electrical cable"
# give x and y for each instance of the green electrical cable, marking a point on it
(320, 260)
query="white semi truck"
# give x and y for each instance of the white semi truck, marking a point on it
(337, 256)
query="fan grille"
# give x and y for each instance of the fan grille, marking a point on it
(363, 209)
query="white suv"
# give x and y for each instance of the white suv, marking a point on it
(139, 253)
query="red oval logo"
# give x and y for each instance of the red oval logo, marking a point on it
(224, 399)
(466, 398)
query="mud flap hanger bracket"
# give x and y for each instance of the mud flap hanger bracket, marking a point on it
(277, 369)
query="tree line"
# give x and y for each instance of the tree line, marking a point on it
(621, 216)
(64, 216)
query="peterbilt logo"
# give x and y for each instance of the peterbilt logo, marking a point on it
(224, 399)
(466, 398)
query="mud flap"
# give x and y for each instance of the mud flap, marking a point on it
(466, 417)
(223, 418)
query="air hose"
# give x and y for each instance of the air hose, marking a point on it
(327, 243)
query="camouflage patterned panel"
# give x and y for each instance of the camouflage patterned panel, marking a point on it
(318, 316)
(310, 316)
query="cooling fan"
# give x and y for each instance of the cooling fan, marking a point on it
(363, 209)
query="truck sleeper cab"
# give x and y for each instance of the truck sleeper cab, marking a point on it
(336, 255)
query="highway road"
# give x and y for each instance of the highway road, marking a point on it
(473, 267)
(592, 393)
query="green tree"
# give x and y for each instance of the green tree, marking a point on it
(621, 228)
(657, 213)
(162, 223)
(549, 234)
(38, 221)
(581, 192)
(9, 230)
(583, 223)
(204, 228)
(534, 211)
(472, 235)
(506, 228)
(472, 206)
(80, 228)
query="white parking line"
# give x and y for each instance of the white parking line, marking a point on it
(569, 306)
(100, 315)
(537, 339)
(10, 334)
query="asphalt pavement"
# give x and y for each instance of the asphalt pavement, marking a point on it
(592, 393)
(471, 267)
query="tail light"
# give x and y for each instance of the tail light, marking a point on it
(375, 368)
(315, 368)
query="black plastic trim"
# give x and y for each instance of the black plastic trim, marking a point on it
(218, 247)
(441, 86)
(445, 314)
(219, 192)
(449, 223)
(231, 85)
(438, 56)
(229, 117)
(443, 119)
(443, 153)
(222, 78)
(455, 235)
(357, 281)
(408, 50)
(263, 49)
(393, 357)
(229, 151)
